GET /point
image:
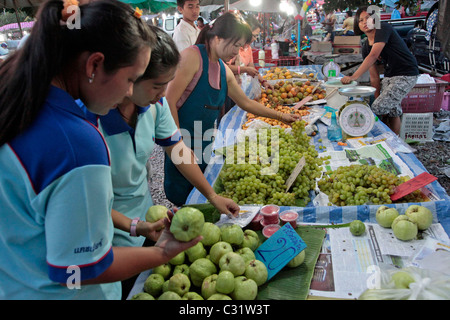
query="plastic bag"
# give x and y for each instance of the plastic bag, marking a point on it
(255, 89)
(427, 285)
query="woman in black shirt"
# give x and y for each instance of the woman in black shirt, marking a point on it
(400, 67)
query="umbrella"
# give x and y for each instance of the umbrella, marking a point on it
(152, 5)
(16, 4)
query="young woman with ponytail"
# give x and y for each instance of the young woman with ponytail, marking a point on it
(198, 92)
(55, 177)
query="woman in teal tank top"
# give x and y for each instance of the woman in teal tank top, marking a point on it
(198, 92)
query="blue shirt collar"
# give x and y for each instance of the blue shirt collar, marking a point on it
(63, 100)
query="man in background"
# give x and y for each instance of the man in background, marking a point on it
(186, 32)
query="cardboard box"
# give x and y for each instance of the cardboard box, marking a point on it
(321, 46)
(346, 49)
(347, 40)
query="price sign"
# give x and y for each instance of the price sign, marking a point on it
(412, 185)
(279, 249)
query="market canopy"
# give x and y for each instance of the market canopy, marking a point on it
(154, 6)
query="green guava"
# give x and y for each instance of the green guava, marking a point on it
(402, 279)
(420, 215)
(187, 224)
(357, 227)
(385, 216)
(232, 233)
(297, 260)
(404, 228)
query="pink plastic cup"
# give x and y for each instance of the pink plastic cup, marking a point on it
(264, 223)
(270, 229)
(270, 213)
(289, 216)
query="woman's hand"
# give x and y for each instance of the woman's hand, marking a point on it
(288, 118)
(225, 205)
(347, 80)
(252, 72)
(150, 230)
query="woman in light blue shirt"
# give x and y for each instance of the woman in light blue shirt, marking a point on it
(56, 193)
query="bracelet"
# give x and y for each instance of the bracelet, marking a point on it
(134, 223)
(280, 116)
(214, 196)
(239, 69)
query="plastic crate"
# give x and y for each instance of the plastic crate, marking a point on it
(446, 101)
(426, 97)
(417, 127)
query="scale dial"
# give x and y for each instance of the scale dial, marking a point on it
(356, 119)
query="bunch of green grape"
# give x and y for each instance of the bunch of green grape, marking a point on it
(256, 170)
(361, 184)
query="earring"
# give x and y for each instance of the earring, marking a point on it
(91, 79)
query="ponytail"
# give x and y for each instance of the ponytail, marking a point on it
(106, 26)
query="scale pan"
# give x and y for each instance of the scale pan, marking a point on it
(358, 91)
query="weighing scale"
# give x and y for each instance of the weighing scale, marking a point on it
(355, 117)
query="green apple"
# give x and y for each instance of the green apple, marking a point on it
(156, 213)
(163, 270)
(251, 240)
(257, 271)
(209, 286)
(181, 268)
(244, 289)
(142, 296)
(179, 283)
(169, 295)
(246, 253)
(225, 282)
(402, 279)
(219, 296)
(385, 216)
(192, 296)
(232, 233)
(297, 260)
(153, 284)
(404, 228)
(218, 250)
(187, 224)
(196, 252)
(200, 269)
(357, 227)
(210, 233)
(420, 215)
(178, 259)
(232, 262)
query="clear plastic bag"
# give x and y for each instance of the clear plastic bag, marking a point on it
(255, 88)
(427, 285)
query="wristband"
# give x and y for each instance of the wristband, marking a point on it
(134, 223)
(239, 69)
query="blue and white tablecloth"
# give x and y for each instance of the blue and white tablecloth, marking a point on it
(233, 121)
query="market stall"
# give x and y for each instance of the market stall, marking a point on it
(377, 247)
(339, 260)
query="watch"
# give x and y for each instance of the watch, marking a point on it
(134, 223)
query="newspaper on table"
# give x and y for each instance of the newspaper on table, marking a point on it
(348, 265)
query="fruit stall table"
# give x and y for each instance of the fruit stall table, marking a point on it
(234, 120)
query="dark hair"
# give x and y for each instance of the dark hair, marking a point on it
(164, 56)
(106, 26)
(350, 13)
(253, 23)
(356, 28)
(228, 26)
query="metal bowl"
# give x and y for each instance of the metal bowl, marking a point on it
(357, 91)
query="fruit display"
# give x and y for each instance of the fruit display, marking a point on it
(259, 170)
(407, 226)
(274, 122)
(363, 184)
(224, 271)
(290, 92)
(276, 73)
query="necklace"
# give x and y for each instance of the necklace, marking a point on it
(129, 114)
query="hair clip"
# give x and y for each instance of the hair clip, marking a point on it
(138, 13)
(65, 14)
